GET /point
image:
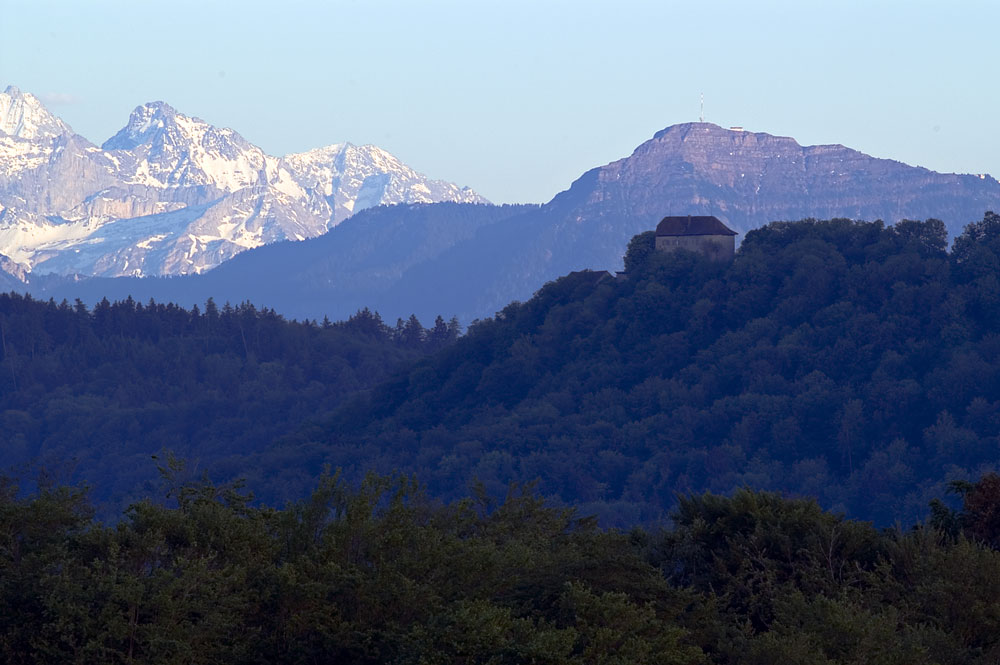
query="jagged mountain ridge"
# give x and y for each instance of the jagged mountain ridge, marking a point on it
(746, 179)
(338, 273)
(22, 116)
(170, 194)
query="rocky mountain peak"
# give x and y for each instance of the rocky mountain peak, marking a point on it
(146, 124)
(166, 148)
(355, 177)
(170, 193)
(23, 116)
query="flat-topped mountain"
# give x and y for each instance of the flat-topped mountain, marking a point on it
(171, 194)
(747, 179)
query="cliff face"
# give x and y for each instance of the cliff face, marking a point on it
(747, 179)
(13, 275)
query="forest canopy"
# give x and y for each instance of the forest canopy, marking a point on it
(849, 361)
(379, 573)
(727, 416)
(92, 394)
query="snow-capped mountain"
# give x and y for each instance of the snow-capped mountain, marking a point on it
(471, 260)
(171, 194)
(351, 178)
(160, 147)
(22, 116)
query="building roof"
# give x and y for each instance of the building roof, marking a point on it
(700, 225)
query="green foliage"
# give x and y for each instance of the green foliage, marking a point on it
(979, 518)
(639, 250)
(378, 573)
(101, 391)
(850, 361)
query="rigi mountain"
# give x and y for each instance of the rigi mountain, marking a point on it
(746, 179)
(170, 194)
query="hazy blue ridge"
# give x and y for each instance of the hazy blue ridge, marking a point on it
(471, 260)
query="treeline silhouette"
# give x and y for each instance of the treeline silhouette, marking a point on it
(850, 361)
(378, 573)
(92, 394)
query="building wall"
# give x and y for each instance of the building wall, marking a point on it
(718, 248)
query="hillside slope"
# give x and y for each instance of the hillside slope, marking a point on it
(850, 361)
(355, 265)
(95, 394)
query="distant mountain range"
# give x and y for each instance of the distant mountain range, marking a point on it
(453, 258)
(170, 194)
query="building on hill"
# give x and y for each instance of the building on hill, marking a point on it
(704, 234)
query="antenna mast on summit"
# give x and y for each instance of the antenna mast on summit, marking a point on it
(701, 118)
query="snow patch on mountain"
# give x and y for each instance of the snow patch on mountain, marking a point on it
(163, 148)
(171, 194)
(20, 155)
(16, 270)
(353, 178)
(25, 235)
(24, 117)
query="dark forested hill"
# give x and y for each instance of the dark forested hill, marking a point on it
(850, 361)
(93, 394)
(376, 573)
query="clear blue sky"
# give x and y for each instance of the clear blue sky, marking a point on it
(518, 98)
